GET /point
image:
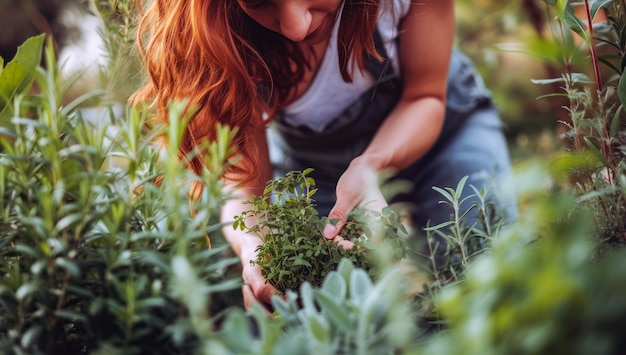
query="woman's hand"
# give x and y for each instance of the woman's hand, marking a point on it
(357, 187)
(255, 289)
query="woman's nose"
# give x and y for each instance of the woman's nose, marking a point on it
(294, 20)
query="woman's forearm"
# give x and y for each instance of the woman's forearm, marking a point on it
(243, 244)
(426, 37)
(406, 135)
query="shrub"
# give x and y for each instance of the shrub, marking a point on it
(594, 130)
(537, 290)
(94, 257)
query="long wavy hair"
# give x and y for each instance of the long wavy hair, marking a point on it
(230, 69)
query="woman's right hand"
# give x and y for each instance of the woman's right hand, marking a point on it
(255, 289)
(358, 186)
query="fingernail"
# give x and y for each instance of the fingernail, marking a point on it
(329, 231)
(347, 245)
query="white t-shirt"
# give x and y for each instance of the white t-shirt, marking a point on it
(328, 95)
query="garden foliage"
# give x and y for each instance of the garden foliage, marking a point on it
(551, 283)
(95, 257)
(103, 250)
(594, 158)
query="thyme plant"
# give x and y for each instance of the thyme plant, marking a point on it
(294, 249)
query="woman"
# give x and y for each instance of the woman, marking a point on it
(351, 88)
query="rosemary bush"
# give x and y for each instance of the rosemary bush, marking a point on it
(442, 253)
(95, 257)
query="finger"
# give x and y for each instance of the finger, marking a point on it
(249, 299)
(248, 296)
(346, 244)
(260, 288)
(264, 294)
(340, 211)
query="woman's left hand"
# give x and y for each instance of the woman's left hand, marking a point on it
(357, 187)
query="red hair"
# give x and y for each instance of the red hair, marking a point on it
(230, 69)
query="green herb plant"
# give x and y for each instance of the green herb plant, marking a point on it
(538, 290)
(594, 156)
(294, 249)
(96, 258)
(349, 313)
(121, 73)
(452, 246)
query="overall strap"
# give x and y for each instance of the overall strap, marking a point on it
(379, 69)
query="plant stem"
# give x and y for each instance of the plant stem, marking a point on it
(459, 235)
(607, 149)
(568, 81)
(592, 47)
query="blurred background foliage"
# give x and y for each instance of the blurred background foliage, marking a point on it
(495, 34)
(484, 28)
(490, 32)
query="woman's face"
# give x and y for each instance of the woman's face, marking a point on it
(307, 21)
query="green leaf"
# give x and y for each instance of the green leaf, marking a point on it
(68, 221)
(596, 5)
(306, 296)
(360, 285)
(28, 250)
(154, 259)
(19, 73)
(71, 315)
(31, 336)
(335, 286)
(69, 266)
(74, 104)
(574, 78)
(299, 261)
(226, 285)
(598, 154)
(574, 23)
(547, 81)
(26, 290)
(319, 327)
(621, 90)
(334, 311)
(345, 269)
(615, 123)
(236, 332)
(539, 47)
(447, 193)
(605, 59)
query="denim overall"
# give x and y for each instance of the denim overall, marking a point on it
(471, 142)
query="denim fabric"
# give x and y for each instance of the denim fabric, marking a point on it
(471, 143)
